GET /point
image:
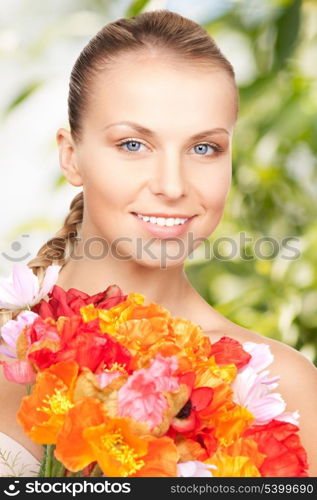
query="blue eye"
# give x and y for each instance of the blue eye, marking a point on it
(134, 145)
(201, 149)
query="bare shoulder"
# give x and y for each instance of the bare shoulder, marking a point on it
(291, 365)
(288, 362)
(10, 399)
(285, 356)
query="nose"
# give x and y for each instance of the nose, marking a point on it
(169, 178)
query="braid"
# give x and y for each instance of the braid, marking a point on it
(56, 250)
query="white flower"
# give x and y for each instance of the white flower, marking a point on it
(252, 390)
(292, 417)
(21, 290)
(194, 468)
(261, 356)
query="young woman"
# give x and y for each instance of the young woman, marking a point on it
(152, 108)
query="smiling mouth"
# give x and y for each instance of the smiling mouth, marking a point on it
(164, 216)
(163, 221)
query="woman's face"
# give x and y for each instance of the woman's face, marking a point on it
(171, 170)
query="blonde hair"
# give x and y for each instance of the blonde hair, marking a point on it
(161, 29)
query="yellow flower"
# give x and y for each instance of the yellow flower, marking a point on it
(228, 466)
(111, 318)
(210, 374)
(230, 422)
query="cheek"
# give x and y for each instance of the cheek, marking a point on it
(216, 187)
(106, 184)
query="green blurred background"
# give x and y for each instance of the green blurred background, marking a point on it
(272, 45)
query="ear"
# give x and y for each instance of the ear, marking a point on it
(67, 157)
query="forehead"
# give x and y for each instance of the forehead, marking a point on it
(161, 93)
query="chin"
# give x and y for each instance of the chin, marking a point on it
(160, 263)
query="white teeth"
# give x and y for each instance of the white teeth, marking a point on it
(162, 221)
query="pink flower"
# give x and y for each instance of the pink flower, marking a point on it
(40, 331)
(22, 290)
(20, 372)
(12, 329)
(162, 369)
(252, 390)
(141, 396)
(194, 468)
(105, 378)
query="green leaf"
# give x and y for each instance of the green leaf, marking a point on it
(60, 181)
(287, 33)
(136, 7)
(22, 96)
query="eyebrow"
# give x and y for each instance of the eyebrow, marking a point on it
(150, 133)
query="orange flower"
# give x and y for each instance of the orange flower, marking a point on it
(222, 397)
(89, 435)
(160, 460)
(246, 448)
(190, 338)
(145, 338)
(116, 447)
(71, 447)
(189, 449)
(142, 334)
(42, 413)
(152, 310)
(230, 422)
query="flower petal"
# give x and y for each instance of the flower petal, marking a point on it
(12, 328)
(25, 283)
(20, 372)
(161, 458)
(9, 298)
(51, 275)
(291, 417)
(201, 397)
(7, 352)
(261, 354)
(194, 468)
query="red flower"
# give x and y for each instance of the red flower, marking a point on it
(187, 419)
(285, 456)
(82, 342)
(68, 303)
(228, 350)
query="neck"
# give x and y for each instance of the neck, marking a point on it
(169, 286)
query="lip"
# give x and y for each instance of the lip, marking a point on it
(164, 232)
(166, 216)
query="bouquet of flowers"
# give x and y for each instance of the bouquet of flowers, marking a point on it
(121, 389)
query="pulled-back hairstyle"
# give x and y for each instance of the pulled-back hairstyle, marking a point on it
(161, 30)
